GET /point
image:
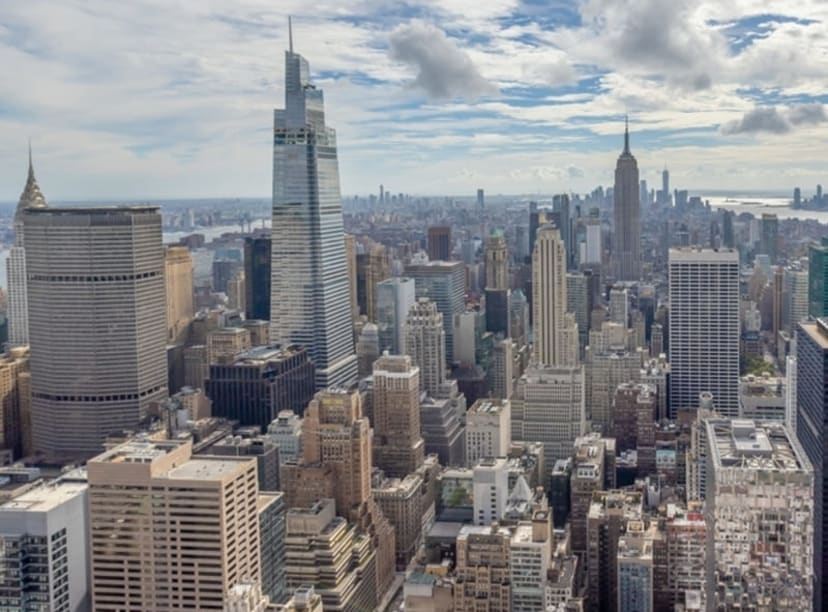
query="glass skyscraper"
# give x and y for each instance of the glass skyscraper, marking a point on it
(309, 290)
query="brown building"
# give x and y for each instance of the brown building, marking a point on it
(184, 534)
(350, 267)
(593, 471)
(635, 414)
(439, 243)
(371, 269)
(15, 400)
(483, 571)
(398, 446)
(178, 274)
(401, 501)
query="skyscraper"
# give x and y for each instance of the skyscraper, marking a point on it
(395, 297)
(818, 279)
(257, 276)
(398, 445)
(812, 431)
(425, 342)
(178, 275)
(18, 312)
(497, 266)
(627, 239)
(309, 287)
(98, 323)
(439, 243)
(769, 239)
(371, 269)
(549, 299)
(704, 328)
(444, 283)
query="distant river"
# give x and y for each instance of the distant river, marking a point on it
(756, 205)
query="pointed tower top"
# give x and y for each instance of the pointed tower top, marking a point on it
(290, 33)
(626, 134)
(31, 197)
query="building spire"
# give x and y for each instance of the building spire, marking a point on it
(626, 134)
(31, 166)
(290, 33)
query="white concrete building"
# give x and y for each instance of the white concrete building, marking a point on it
(286, 432)
(488, 430)
(531, 556)
(490, 490)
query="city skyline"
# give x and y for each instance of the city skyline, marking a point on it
(509, 97)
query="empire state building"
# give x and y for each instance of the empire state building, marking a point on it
(627, 240)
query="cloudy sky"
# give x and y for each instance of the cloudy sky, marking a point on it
(162, 99)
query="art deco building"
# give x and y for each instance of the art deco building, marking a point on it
(97, 323)
(199, 549)
(178, 276)
(425, 342)
(371, 269)
(497, 263)
(483, 570)
(309, 285)
(398, 447)
(18, 312)
(627, 207)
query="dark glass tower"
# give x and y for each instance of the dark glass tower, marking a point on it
(257, 277)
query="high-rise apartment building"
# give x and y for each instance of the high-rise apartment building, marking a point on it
(309, 285)
(257, 277)
(178, 275)
(439, 243)
(425, 343)
(759, 511)
(626, 215)
(44, 559)
(398, 447)
(818, 279)
(199, 550)
(395, 297)
(704, 328)
(16, 276)
(444, 283)
(97, 323)
(256, 385)
(812, 431)
(552, 345)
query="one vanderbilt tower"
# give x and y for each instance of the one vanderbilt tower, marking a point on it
(309, 292)
(627, 207)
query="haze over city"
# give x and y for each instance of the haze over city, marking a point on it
(153, 100)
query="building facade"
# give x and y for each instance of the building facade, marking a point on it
(626, 215)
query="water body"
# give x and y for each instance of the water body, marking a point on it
(757, 205)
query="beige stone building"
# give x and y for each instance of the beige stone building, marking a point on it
(483, 569)
(178, 275)
(169, 530)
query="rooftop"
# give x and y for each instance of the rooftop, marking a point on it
(44, 498)
(138, 451)
(742, 443)
(208, 468)
(488, 406)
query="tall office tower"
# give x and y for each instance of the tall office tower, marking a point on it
(769, 240)
(812, 431)
(198, 554)
(549, 298)
(594, 249)
(439, 243)
(425, 343)
(579, 303)
(253, 386)
(704, 328)
(18, 309)
(560, 206)
(236, 291)
(44, 548)
(401, 501)
(97, 323)
(760, 511)
(797, 197)
(445, 284)
(498, 311)
(534, 224)
(223, 271)
(519, 318)
(443, 429)
(178, 274)
(483, 569)
(619, 306)
(548, 407)
(367, 349)
(196, 366)
(627, 207)
(488, 430)
(643, 194)
(794, 299)
(610, 513)
(398, 445)
(728, 234)
(501, 372)
(593, 470)
(818, 279)
(286, 432)
(257, 277)
(631, 401)
(665, 187)
(14, 403)
(309, 285)
(371, 269)
(481, 202)
(351, 267)
(497, 263)
(395, 297)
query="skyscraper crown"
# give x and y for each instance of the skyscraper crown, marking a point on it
(31, 197)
